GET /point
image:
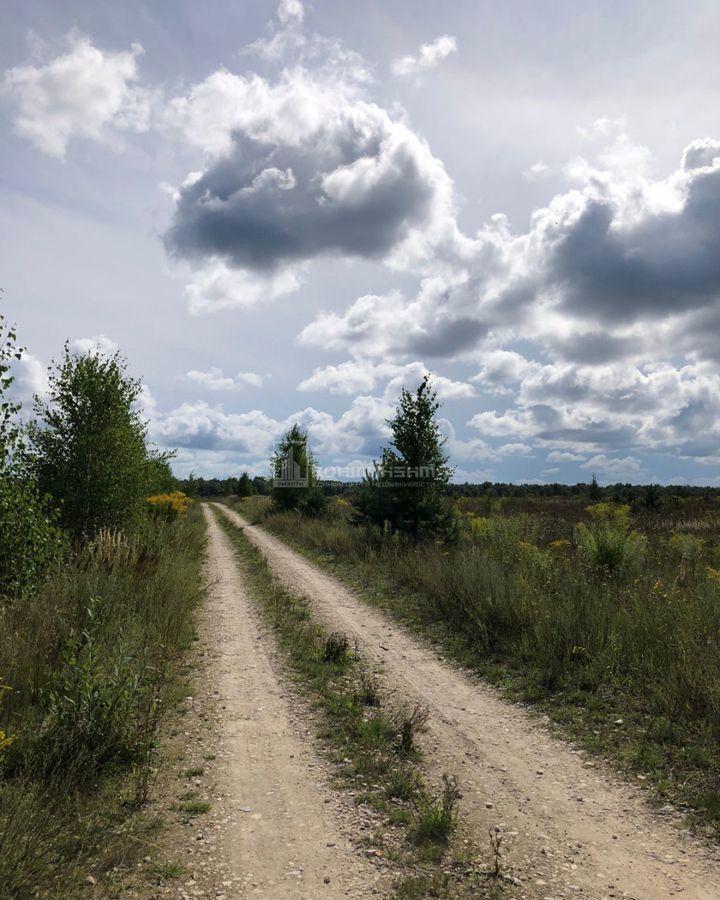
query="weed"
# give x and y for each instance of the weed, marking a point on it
(408, 725)
(194, 807)
(436, 817)
(194, 772)
(403, 783)
(335, 648)
(367, 690)
(161, 872)
(496, 839)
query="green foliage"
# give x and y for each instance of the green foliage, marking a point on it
(245, 486)
(30, 544)
(90, 445)
(405, 489)
(89, 655)
(608, 544)
(294, 461)
(436, 817)
(96, 703)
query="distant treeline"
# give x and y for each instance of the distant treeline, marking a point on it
(648, 495)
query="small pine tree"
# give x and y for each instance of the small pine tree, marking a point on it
(405, 489)
(245, 486)
(292, 458)
(594, 491)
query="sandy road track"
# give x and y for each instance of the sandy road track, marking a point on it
(283, 836)
(573, 830)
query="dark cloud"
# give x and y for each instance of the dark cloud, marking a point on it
(347, 191)
(669, 262)
(447, 338)
(593, 347)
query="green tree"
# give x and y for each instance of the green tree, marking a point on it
(294, 470)
(405, 489)
(90, 444)
(245, 486)
(30, 543)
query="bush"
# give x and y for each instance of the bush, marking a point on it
(31, 546)
(608, 544)
(97, 703)
(169, 506)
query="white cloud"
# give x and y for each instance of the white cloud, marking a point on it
(428, 57)
(214, 380)
(300, 167)
(290, 10)
(217, 286)
(515, 449)
(628, 468)
(99, 343)
(564, 456)
(78, 94)
(536, 171)
(362, 375)
(31, 378)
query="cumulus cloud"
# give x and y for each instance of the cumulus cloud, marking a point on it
(620, 266)
(614, 468)
(216, 285)
(536, 171)
(429, 56)
(78, 94)
(291, 10)
(215, 380)
(300, 166)
(30, 379)
(581, 410)
(201, 426)
(99, 343)
(362, 375)
(304, 171)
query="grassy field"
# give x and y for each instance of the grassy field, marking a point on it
(607, 621)
(90, 663)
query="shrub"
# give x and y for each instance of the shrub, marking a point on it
(608, 544)
(335, 649)
(96, 703)
(169, 506)
(31, 545)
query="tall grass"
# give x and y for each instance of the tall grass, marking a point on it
(600, 623)
(89, 659)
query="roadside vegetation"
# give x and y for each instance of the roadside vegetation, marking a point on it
(97, 593)
(605, 614)
(374, 743)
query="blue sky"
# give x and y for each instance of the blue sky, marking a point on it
(286, 212)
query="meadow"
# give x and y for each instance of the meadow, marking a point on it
(606, 618)
(90, 663)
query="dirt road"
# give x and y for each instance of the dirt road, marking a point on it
(283, 833)
(573, 830)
